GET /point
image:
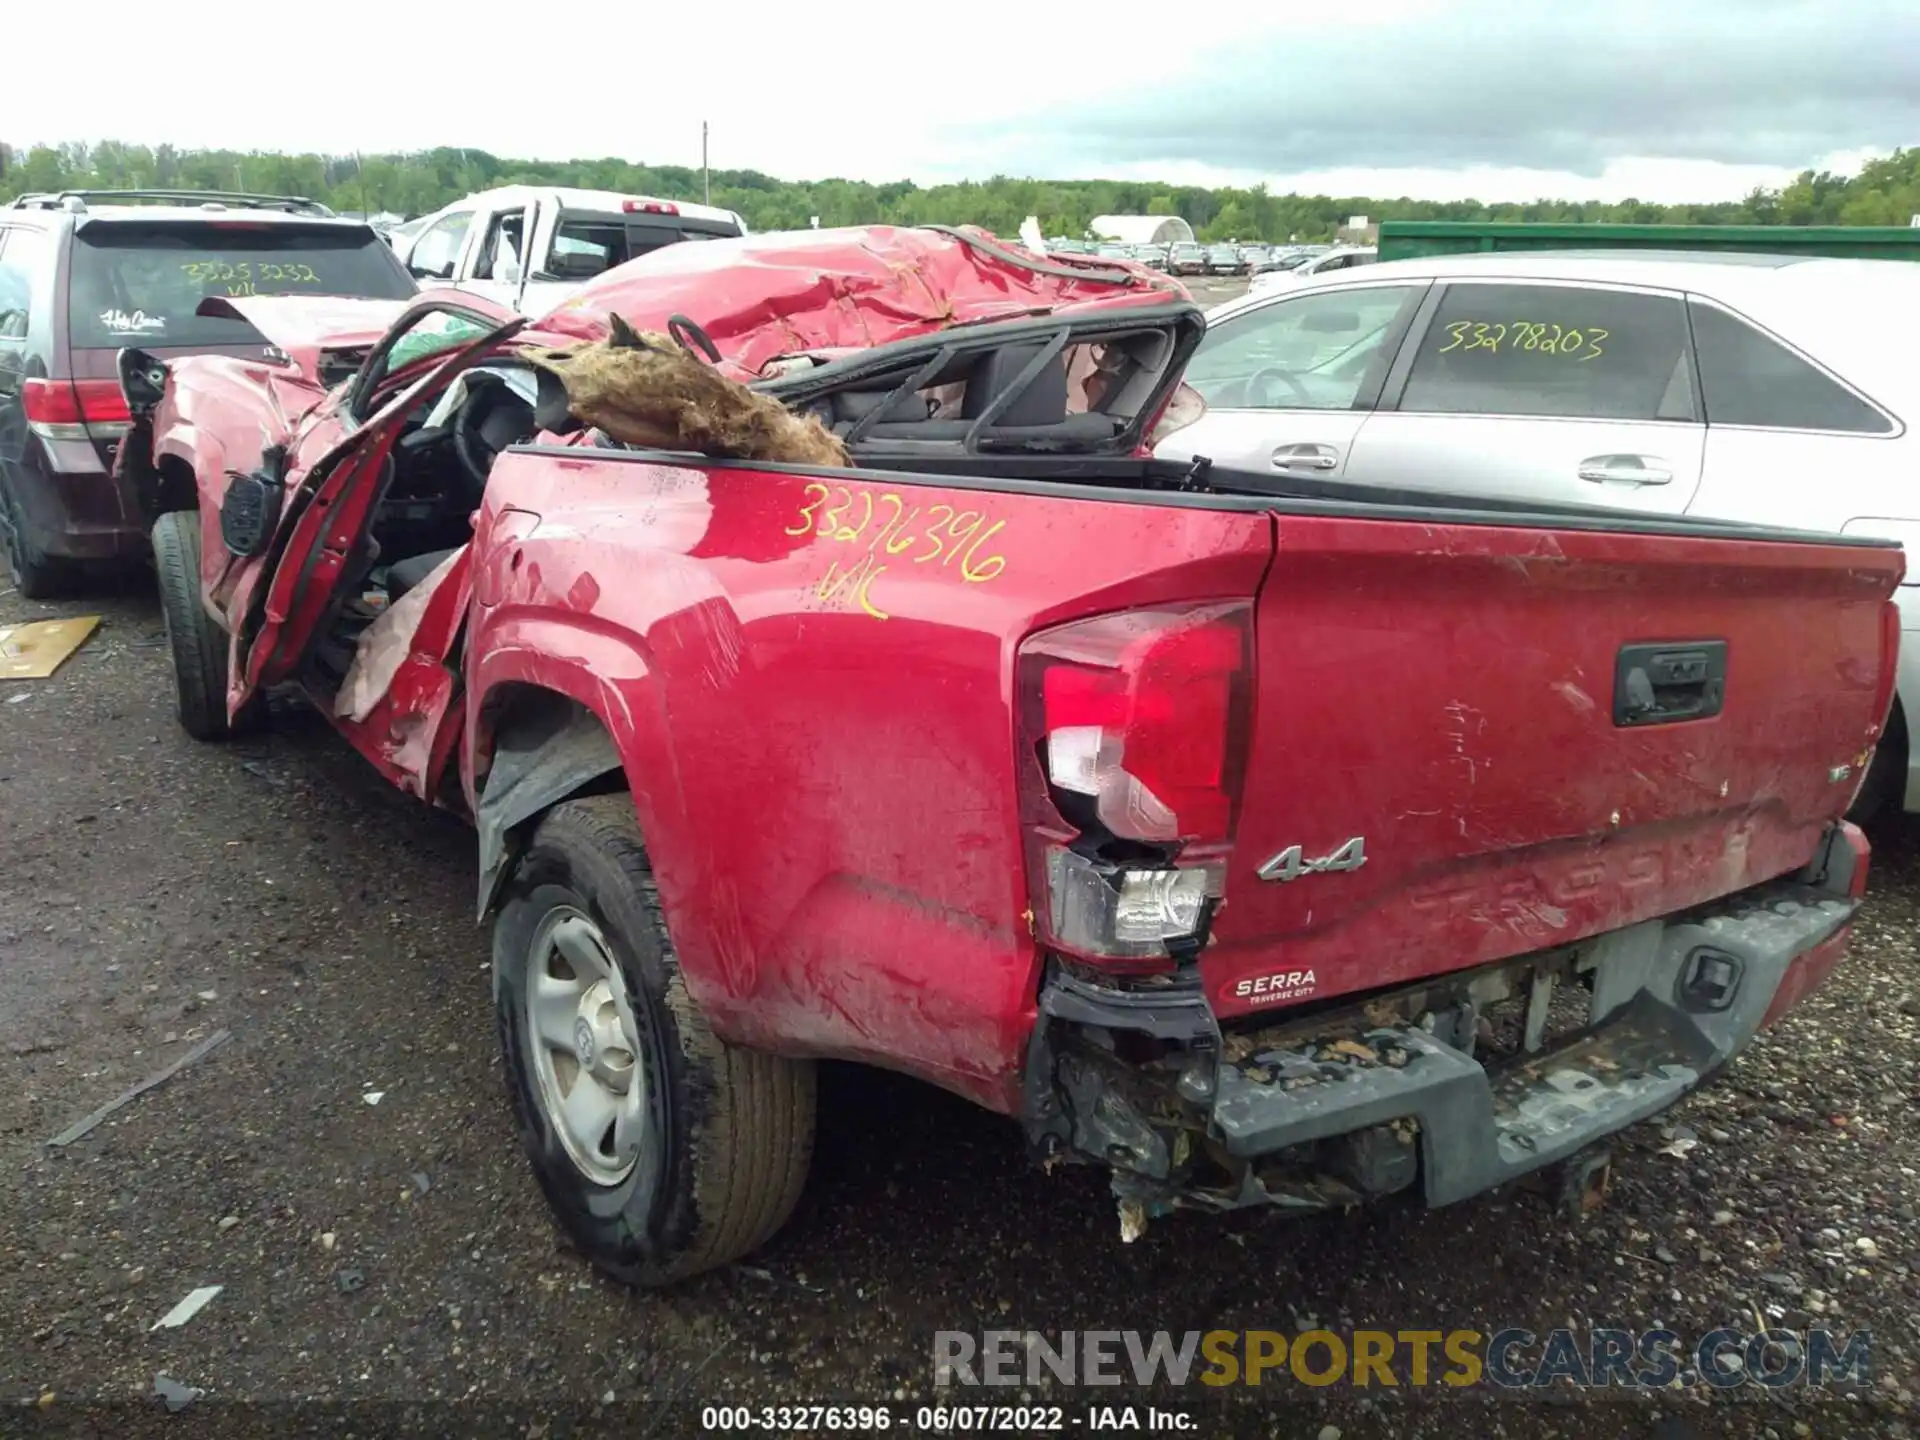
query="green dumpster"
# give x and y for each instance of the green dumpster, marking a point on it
(1412, 239)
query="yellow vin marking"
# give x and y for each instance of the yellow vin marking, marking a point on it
(947, 539)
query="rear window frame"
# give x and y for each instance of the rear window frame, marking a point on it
(1893, 425)
(1428, 321)
(103, 235)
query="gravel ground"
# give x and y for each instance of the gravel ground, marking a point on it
(372, 1254)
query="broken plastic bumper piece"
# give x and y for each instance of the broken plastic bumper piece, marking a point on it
(1656, 1035)
(1452, 1086)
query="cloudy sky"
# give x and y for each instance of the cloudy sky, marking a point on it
(1497, 99)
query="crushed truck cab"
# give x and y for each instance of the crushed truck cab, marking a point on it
(1255, 840)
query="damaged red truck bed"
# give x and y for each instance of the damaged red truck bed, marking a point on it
(1259, 842)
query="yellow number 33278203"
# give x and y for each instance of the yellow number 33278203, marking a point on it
(1534, 337)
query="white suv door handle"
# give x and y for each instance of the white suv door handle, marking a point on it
(1305, 457)
(1625, 470)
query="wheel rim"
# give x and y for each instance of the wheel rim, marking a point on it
(585, 1047)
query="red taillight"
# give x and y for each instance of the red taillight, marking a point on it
(649, 207)
(1133, 739)
(74, 409)
(1138, 713)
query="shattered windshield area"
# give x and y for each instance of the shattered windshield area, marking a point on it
(432, 333)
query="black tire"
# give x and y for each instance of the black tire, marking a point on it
(36, 574)
(1884, 791)
(199, 646)
(725, 1135)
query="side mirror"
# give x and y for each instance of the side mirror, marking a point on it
(250, 510)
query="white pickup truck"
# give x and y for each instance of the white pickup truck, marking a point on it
(482, 244)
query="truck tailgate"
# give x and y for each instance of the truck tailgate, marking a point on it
(1472, 741)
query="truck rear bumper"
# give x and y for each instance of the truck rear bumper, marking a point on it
(1416, 1087)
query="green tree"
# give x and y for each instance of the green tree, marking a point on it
(1232, 223)
(1886, 192)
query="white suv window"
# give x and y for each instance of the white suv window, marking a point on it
(1554, 350)
(502, 248)
(437, 250)
(1308, 352)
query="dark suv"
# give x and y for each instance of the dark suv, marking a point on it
(84, 274)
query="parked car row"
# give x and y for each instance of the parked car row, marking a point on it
(1184, 257)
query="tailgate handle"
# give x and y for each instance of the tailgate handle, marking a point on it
(1658, 684)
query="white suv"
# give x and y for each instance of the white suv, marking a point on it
(1763, 388)
(532, 247)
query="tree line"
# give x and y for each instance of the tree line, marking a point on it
(1885, 192)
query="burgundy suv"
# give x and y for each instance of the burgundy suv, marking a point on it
(84, 274)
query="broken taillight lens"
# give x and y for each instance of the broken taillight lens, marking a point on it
(1134, 735)
(1138, 714)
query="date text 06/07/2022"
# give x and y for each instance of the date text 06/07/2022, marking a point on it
(944, 1419)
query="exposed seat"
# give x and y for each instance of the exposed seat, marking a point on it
(403, 575)
(1038, 413)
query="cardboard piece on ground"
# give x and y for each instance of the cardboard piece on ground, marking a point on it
(35, 650)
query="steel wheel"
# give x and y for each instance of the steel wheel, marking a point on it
(584, 1047)
(702, 1155)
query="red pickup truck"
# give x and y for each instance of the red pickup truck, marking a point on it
(1259, 842)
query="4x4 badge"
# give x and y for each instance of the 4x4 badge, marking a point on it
(1290, 865)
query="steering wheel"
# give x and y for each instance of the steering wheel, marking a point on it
(1257, 383)
(492, 417)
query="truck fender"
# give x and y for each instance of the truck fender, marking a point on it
(204, 457)
(543, 754)
(562, 707)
